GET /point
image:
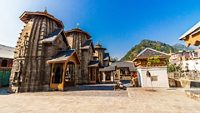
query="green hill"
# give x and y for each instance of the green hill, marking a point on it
(151, 44)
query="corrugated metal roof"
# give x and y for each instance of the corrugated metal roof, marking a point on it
(6, 52)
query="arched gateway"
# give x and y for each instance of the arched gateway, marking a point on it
(63, 69)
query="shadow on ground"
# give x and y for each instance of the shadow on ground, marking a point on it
(101, 87)
(4, 91)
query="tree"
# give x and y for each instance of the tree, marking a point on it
(151, 61)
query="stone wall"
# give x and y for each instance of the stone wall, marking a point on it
(76, 40)
(30, 71)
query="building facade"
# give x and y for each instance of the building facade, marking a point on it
(47, 57)
(192, 36)
(118, 71)
(6, 61)
(155, 74)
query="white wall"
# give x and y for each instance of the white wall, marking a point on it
(160, 72)
(192, 64)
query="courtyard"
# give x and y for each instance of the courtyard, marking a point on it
(101, 99)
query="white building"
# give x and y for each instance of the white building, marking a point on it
(191, 65)
(154, 75)
(159, 77)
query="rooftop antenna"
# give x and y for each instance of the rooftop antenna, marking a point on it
(77, 25)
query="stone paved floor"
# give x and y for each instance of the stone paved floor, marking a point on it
(134, 100)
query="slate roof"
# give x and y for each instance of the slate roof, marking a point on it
(191, 30)
(106, 56)
(6, 52)
(148, 52)
(52, 36)
(119, 64)
(93, 63)
(109, 68)
(86, 45)
(62, 56)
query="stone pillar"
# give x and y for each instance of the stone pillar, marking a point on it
(104, 77)
(111, 77)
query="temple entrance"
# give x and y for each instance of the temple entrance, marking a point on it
(70, 74)
(57, 73)
(63, 75)
(93, 75)
(108, 76)
(63, 70)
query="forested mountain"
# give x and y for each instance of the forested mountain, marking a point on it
(160, 46)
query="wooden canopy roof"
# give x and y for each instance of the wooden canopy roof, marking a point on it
(78, 30)
(26, 16)
(63, 56)
(149, 52)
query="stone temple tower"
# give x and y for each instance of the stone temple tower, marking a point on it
(82, 43)
(100, 53)
(30, 71)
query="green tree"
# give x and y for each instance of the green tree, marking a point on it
(152, 61)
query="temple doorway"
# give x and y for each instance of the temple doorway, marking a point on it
(70, 74)
(57, 73)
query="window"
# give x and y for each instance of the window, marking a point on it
(154, 78)
(4, 63)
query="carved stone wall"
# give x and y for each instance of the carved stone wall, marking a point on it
(76, 40)
(30, 71)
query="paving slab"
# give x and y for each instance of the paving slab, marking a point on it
(133, 100)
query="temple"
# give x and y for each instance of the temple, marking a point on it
(48, 58)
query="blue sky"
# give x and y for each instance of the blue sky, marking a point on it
(117, 24)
